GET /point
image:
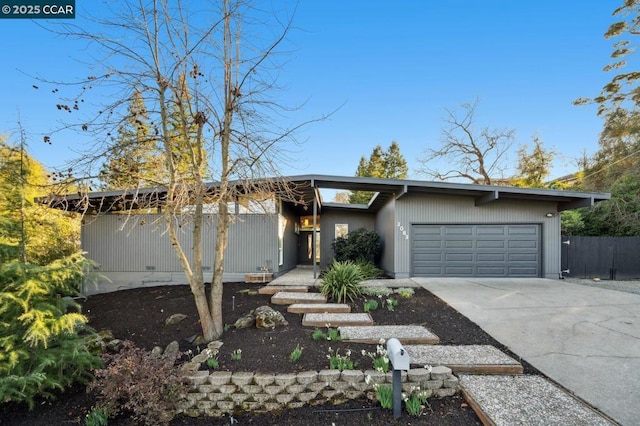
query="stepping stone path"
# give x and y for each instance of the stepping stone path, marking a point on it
(525, 400)
(273, 289)
(336, 320)
(500, 395)
(303, 308)
(476, 359)
(407, 334)
(289, 298)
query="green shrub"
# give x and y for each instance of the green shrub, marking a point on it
(137, 383)
(359, 245)
(376, 291)
(44, 338)
(368, 270)
(406, 292)
(342, 281)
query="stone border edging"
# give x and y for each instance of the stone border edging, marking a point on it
(224, 392)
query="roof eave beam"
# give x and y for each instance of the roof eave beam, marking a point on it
(576, 204)
(487, 198)
(405, 191)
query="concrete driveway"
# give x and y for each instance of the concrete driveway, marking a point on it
(585, 338)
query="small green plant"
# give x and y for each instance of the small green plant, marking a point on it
(332, 334)
(380, 358)
(370, 305)
(213, 363)
(406, 292)
(384, 395)
(341, 362)
(319, 335)
(342, 281)
(97, 417)
(391, 304)
(376, 291)
(296, 354)
(416, 402)
(236, 355)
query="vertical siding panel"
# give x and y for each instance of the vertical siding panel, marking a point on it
(385, 227)
(329, 218)
(131, 244)
(444, 209)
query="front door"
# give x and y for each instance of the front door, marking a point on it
(305, 247)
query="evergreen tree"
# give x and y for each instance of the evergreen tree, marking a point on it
(534, 167)
(382, 164)
(395, 166)
(30, 231)
(134, 160)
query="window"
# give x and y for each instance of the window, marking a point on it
(342, 229)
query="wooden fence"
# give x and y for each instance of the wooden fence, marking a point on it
(614, 258)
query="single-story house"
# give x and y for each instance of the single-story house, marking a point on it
(428, 229)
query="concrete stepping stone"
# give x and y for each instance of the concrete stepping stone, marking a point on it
(525, 400)
(336, 320)
(273, 289)
(407, 334)
(303, 308)
(474, 359)
(289, 298)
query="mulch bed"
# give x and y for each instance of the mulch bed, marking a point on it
(139, 315)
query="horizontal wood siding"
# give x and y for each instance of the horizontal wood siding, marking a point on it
(446, 209)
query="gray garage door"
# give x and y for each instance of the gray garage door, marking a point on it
(475, 250)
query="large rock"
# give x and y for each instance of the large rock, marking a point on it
(267, 318)
(245, 321)
(175, 319)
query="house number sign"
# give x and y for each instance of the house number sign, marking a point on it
(404, 231)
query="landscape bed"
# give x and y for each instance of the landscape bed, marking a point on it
(139, 315)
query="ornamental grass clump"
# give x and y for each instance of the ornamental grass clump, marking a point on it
(342, 281)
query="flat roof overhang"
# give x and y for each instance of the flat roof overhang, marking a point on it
(306, 189)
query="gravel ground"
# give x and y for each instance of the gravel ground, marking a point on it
(626, 286)
(539, 402)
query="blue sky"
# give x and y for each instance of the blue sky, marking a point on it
(391, 67)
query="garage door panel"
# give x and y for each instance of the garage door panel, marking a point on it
(491, 257)
(476, 250)
(491, 230)
(456, 244)
(428, 257)
(481, 244)
(491, 271)
(458, 257)
(522, 244)
(428, 244)
(459, 271)
(458, 230)
(523, 257)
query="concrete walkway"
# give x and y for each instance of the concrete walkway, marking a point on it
(585, 338)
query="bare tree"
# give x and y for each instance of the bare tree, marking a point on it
(217, 123)
(475, 156)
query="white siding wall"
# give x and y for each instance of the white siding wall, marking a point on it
(444, 209)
